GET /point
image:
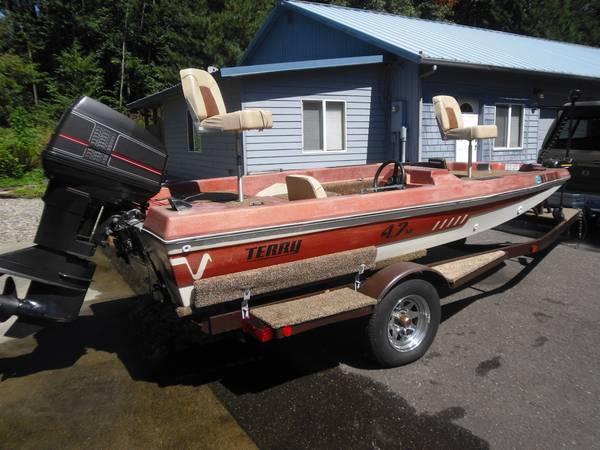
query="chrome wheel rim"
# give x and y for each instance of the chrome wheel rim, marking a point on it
(408, 323)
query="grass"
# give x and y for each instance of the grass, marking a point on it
(31, 185)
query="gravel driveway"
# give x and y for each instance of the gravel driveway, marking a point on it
(19, 219)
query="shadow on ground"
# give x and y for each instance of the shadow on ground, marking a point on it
(291, 393)
(115, 328)
(288, 395)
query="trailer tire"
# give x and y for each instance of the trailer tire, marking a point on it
(404, 323)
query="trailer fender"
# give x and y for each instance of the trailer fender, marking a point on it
(379, 284)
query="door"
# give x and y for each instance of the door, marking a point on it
(470, 114)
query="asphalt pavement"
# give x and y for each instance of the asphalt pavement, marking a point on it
(515, 364)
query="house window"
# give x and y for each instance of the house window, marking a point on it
(324, 125)
(193, 136)
(509, 120)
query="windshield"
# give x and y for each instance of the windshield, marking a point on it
(586, 135)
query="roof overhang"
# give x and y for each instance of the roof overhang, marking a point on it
(515, 70)
(258, 69)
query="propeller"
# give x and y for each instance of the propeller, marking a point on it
(9, 302)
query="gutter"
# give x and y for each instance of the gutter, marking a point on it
(465, 65)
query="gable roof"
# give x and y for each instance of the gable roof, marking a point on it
(431, 42)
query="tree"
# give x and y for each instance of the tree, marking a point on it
(16, 77)
(576, 21)
(77, 74)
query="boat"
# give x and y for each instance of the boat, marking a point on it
(217, 238)
(215, 244)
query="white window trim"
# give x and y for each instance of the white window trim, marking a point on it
(510, 105)
(190, 121)
(323, 124)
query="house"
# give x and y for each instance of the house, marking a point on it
(349, 86)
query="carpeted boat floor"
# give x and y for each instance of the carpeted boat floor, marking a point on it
(454, 270)
(311, 308)
(224, 288)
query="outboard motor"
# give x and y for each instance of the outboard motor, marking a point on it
(99, 163)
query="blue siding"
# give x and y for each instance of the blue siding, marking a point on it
(281, 146)
(217, 157)
(406, 87)
(294, 37)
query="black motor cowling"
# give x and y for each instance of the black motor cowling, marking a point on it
(99, 162)
(106, 154)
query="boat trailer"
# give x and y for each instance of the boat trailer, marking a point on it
(402, 299)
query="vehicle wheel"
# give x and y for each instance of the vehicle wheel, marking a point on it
(404, 323)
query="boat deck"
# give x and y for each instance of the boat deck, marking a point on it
(483, 174)
(349, 192)
(277, 192)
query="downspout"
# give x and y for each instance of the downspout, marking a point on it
(429, 72)
(387, 82)
(422, 76)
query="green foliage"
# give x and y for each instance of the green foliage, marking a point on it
(30, 185)
(575, 21)
(34, 177)
(77, 74)
(16, 78)
(9, 164)
(32, 191)
(21, 144)
(426, 9)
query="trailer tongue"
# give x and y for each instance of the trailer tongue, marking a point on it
(100, 163)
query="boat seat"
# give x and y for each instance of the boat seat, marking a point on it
(206, 106)
(304, 187)
(239, 121)
(450, 121)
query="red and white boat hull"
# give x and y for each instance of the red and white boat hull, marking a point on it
(401, 233)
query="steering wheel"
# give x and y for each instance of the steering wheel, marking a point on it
(398, 178)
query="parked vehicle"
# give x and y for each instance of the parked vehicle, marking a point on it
(573, 141)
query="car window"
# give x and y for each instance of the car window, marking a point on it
(585, 137)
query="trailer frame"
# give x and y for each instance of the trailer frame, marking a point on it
(443, 275)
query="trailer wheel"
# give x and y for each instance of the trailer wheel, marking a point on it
(404, 323)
